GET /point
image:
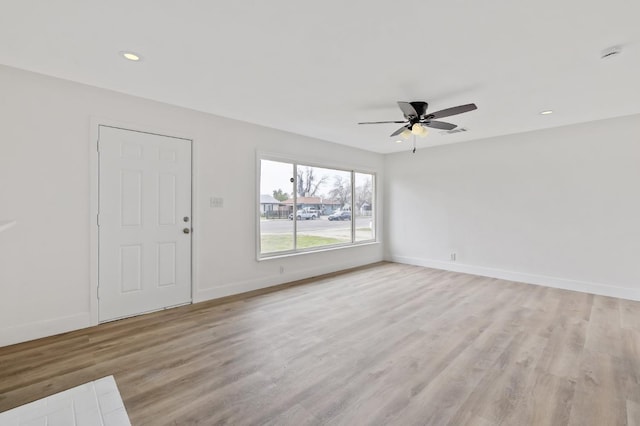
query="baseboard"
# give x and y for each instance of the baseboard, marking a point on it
(555, 282)
(272, 280)
(37, 329)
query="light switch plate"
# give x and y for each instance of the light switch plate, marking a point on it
(216, 202)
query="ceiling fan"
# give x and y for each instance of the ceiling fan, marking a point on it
(416, 118)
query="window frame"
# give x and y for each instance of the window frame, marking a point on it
(295, 162)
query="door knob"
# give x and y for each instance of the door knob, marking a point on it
(186, 230)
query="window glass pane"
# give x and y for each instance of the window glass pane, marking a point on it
(276, 203)
(332, 207)
(324, 207)
(363, 209)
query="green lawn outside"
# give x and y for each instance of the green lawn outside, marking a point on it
(279, 242)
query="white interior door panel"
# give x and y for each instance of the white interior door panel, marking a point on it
(144, 222)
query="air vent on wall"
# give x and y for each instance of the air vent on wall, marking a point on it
(456, 130)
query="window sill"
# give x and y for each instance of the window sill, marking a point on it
(320, 250)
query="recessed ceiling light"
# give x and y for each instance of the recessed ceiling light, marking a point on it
(131, 56)
(547, 112)
(399, 141)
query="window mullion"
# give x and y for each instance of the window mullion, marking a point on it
(295, 207)
(353, 212)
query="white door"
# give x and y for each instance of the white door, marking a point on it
(144, 254)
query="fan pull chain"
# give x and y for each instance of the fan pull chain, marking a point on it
(414, 144)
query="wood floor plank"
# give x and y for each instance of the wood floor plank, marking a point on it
(633, 413)
(629, 359)
(378, 345)
(547, 401)
(600, 396)
(629, 315)
(506, 383)
(604, 333)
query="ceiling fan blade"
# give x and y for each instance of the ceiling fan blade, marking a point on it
(381, 122)
(452, 111)
(439, 125)
(408, 110)
(400, 130)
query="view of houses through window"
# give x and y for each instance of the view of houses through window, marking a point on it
(304, 207)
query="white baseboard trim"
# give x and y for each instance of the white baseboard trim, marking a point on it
(37, 329)
(272, 280)
(562, 283)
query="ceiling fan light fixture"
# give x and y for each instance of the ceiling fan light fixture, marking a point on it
(418, 130)
(406, 134)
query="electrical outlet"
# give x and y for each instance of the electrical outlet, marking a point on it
(452, 257)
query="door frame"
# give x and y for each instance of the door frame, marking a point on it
(94, 175)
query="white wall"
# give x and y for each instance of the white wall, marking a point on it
(44, 185)
(558, 207)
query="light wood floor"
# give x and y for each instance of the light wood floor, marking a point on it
(387, 344)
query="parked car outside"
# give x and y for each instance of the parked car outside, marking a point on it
(305, 214)
(340, 215)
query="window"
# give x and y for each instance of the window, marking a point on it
(306, 207)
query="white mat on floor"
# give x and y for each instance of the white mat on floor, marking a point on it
(96, 403)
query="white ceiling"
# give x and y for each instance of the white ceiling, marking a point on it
(317, 68)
